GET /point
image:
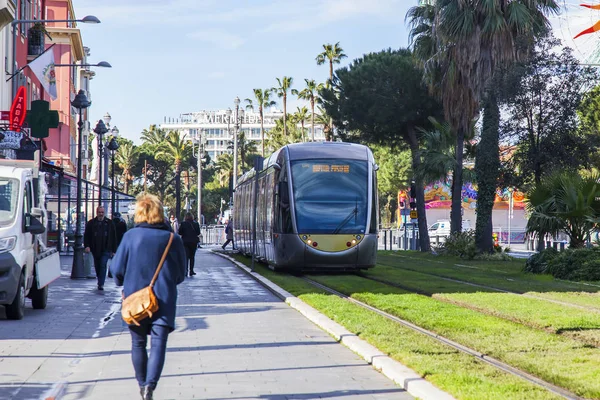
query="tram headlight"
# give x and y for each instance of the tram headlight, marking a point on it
(304, 237)
(357, 237)
(309, 241)
(353, 241)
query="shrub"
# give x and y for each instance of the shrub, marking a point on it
(498, 256)
(538, 262)
(460, 244)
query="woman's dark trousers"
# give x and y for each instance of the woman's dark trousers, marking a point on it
(148, 369)
(190, 251)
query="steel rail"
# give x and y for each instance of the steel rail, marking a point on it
(474, 353)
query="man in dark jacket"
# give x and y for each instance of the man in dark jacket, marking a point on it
(100, 239)
(189, 232)
(120, 227)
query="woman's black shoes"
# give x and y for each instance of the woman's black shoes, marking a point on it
(146, 393)
(192, 273)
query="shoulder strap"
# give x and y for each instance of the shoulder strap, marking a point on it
(162, 260)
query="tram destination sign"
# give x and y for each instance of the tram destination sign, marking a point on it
(335, 168)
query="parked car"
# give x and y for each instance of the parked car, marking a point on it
(442, 228)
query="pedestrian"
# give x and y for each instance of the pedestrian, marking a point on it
(120, 227)
(189, 233)
(197, 226)
(229, 234)
(174, 224)
(99, 239)
(133, 267)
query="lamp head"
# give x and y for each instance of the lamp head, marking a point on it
(103, 64)
(107, 118)
(236, 101)
(115, 131)
(100, 128)
(113, 145)
(80, 101)
(90, 19)
(228, 112)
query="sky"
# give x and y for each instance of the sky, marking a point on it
(171, 57)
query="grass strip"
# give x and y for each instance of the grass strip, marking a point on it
(561, 361)
(463, 376)
(540, 314)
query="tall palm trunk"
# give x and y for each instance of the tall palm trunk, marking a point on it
(284, 115)
(487, 164)
(312, 118)
(331, 71)
(457, 182)
(262, 132)
(302, 123)
(422, 218)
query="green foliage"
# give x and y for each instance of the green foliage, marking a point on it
(461, 244)
(576, 264)
(548, 133)
(565, 201)
(538, 263)
(277, 137)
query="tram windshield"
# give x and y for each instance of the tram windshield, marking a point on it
(330, 196)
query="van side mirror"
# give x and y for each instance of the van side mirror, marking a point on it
(35, 226)
(36, 212)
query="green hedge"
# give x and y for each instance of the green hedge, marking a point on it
(572, 264)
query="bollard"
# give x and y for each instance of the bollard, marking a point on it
(562, 246)
(555, 245)
(391, 240)
(548, 244)
(384, 240)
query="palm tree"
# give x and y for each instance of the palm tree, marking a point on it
(154, 135)
(461, 44)
(224, 168)
(263, 100)
(245, 147)
(310, 93)
(276, 138)
(176, 149)
(285, 84)
(565, 201)
(332, 53)
(301, 116)
(126, 158)
(324, 119)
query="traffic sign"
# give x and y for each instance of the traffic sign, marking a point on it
(413, 214)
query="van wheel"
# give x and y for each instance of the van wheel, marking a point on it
(16, 309)
(39, 297)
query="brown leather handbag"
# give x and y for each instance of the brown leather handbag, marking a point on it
(143, 303)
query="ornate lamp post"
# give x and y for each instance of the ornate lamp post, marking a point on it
(80, 102)
(236, 127)
(201, 141)
(113, 145)
(100, 130)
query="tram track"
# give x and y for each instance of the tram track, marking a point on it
(454, 280)
(459, 347)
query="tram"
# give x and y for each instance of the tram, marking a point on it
(316, 208)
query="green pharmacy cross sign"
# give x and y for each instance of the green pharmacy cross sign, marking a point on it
(40, 118)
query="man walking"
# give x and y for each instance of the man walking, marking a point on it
(229, 235)
(100, 239)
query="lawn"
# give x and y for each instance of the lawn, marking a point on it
(456, 373)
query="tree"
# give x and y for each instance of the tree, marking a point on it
(380, 98)
(301, 116)
(310, 93)
(285, 84)
(332, 54)
(277, 139)
(245, 148)
(176, 149)
(263, 100)
(126, 158)
(154, 135)
(324, 119)
(224, 168)
(565, 201)
(542, 115)
(159, 170)
(461, 44)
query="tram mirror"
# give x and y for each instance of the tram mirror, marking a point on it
(376, 167)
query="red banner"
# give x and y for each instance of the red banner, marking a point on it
(18, 109)
(4, 115)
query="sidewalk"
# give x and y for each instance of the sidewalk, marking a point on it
(234, 340)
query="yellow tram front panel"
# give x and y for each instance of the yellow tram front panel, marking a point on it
(331, 243)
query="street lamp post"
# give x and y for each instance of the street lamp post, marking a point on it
(100, 130)
(510, 211)
(201, 140)
(80, 102)
(113, 145)
(236, 127)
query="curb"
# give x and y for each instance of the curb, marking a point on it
(403, 376)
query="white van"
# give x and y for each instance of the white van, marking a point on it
(441, 228)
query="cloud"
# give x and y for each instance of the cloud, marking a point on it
(218, 37)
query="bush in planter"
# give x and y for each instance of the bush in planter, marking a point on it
(537, 263)
(460, 244)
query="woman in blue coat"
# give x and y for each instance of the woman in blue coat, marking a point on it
(133, 266)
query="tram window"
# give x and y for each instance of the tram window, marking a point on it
(374, 206)
(331, 196)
